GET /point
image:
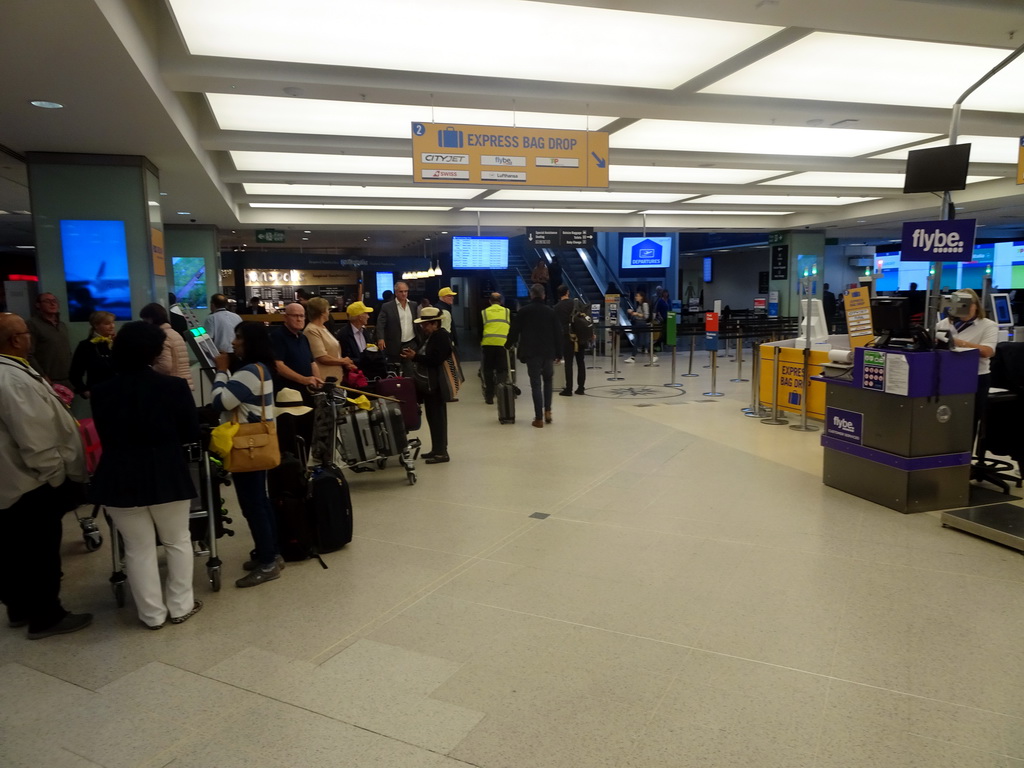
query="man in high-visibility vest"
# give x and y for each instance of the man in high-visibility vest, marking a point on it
(496, 320)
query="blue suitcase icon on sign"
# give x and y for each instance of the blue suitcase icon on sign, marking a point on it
(794, 398)
(449, 138)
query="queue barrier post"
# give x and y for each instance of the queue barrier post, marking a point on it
(776, 417)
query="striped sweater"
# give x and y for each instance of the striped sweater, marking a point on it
(242, 391)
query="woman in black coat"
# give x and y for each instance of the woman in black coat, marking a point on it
(91, 363)
(435, 350)
(143, 419)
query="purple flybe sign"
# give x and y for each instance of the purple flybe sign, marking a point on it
(938, 240)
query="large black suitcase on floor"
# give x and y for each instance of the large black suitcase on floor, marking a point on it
(288, 487)
(330, 506)
(505, 393)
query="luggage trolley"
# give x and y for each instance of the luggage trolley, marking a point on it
(363, 440)
(207, 520)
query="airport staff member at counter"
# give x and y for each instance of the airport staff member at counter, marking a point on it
(968, 327)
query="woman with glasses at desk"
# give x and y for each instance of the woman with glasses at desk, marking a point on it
(972, 331)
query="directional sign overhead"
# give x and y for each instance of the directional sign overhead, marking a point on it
(503, 156)
(580, 237)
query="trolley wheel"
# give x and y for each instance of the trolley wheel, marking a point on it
(411, 477)
(382, 462)
(118, 588)
(93, 540)
(214, 578)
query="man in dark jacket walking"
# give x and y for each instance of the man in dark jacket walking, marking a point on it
(535, 328)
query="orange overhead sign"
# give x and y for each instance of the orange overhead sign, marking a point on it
(508, 157)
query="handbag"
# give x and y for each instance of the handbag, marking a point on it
(254, 446)
(421, 378)
(450, 378)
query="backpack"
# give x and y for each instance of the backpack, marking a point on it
(581, 324)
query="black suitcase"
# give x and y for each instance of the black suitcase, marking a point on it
(288, 487)
(330, 506)
(389, 434)
(505, 393)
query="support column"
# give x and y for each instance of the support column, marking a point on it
(804, 252)
(193, 263)
(99, 237)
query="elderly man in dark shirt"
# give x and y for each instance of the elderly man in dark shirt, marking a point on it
(51, 349)
(295, 363)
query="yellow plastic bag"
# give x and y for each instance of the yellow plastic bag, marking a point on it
(360, 402)
(222, 438)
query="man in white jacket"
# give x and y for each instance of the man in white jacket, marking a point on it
(42, 463)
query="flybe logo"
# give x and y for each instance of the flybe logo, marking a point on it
(846, 425)
(951, 240)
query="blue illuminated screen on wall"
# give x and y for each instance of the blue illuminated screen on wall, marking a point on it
(1003, 261)
(646, 252)
(709, 274)
(385, 282)
(95, 268)
(479, 253)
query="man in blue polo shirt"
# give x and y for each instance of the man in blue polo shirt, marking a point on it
(295, 364)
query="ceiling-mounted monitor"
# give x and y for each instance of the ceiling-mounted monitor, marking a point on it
(940, 169)
(479, 253)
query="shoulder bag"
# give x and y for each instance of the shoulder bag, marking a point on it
(254, 445)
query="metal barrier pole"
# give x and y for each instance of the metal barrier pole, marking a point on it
(650, 350)
(673, 382)
(714, 371)
(693, 344)
(776, 418)
(739, 360)
(754, 410)
(615, 359)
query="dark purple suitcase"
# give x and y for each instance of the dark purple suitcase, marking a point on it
(404, 390)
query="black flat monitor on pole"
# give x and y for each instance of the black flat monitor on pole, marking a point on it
(940, 169)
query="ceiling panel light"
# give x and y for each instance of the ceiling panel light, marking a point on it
(277, 114)
(301, 162)
(984, 149)
(675, 175)
(569, 196)
(334, 207)
(777, 200)
(550, 210)
(47, 104)
(832, 180)
(684, 136)
(595, 45)
(716, 213)
(852, 68)
(341, 190)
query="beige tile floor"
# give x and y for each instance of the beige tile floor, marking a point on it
(694, 597)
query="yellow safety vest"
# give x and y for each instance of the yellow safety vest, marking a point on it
(496, 320)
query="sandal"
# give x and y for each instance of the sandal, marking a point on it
(182, 619)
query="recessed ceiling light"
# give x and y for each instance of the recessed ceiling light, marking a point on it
(26, 247)
(676, 175)
(305, 238)
(46, 104)
(675, 48)
(341, 190)
(686, 136)
(163, 194)
(184, 213)
(307, 232)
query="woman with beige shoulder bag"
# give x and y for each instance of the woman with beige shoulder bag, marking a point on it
(249, 389)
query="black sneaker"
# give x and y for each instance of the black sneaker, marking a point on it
(439, 459)
(580, 391)
(253, 564)
(72, 622)
(565, 393)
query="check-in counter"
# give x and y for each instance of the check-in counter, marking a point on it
(900, 433)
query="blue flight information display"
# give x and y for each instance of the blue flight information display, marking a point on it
(479, 253)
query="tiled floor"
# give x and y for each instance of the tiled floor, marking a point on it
(694, 597)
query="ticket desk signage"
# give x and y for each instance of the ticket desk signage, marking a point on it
(899, 434)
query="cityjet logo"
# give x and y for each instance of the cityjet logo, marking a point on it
(937, 241)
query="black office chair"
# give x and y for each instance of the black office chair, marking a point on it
(1001, 433)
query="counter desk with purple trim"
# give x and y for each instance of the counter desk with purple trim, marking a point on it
(899, 434)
